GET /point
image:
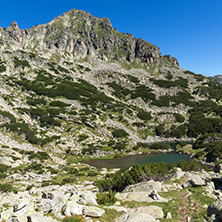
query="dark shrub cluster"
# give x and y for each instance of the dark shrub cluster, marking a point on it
(119, 133)
(182, 82)
(106, 198)
(143, 115)
(135, 174)
(144, 93)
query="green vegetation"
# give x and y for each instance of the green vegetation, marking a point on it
(181, 97)
(149, 171)
(22, 63)
(106, 198)
(179, 118)
(58, 104)
(35, 102)
(119, 91)
(119, 133)
(144, 93)
(199, 124)
(179, 131)
(143, 115)
(162, 146)
(6, 187)
(211, 146)
(182, 82)
(74, 219)
(169, 75)
(8, 115)
(2, 68)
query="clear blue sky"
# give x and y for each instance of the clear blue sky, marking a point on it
(190, 30)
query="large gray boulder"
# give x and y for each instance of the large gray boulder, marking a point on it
(194, 180)
(215, 208)
(92, 211)
(38, 218)
(136, 217)
(57, 205)
(152, 210)
(22, 214)
(72, 208)
(44, 206)
(87, 197)
(178, 174)
(147, 186)
(138, 197)
(5, 215)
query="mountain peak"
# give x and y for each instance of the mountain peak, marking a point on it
(83, 35)
(14, 24)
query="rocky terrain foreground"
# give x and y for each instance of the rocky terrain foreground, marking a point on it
(187, 196)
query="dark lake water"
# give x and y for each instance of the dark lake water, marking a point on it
(128, 161)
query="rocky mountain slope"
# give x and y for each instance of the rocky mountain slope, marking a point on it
(217, 79)
(76, 85)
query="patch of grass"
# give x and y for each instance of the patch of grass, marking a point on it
(110, 215)
(22, 63)
(74, 219)
(6, 187)
(198, 200)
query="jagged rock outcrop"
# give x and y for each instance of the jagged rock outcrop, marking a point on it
(80, 34)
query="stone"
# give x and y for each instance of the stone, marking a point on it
(154, 195)
(5, 215)
(136, 217)
(92, 211)
(57, 205)
(148, 186)
(38, 218)
(87, 197)
(196, 180)
(22, 214)
(72, 208)
(138, 197)
(152, 210)
(18, 206)
(213, 218)
(215, 208)
(193, 180)
(188, 219)
(43, 206)
(169, 216)
(178, 174)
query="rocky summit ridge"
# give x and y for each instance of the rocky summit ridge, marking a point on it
(79, 34)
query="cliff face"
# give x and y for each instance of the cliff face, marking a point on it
(80, 34)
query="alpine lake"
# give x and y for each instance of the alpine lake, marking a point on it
(141, 159)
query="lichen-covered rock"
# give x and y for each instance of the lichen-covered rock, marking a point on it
(152, 210)
(92, 211)
(5, 215)
(136, 217)
(148, 186)
(72, 208)
(87, 197)
(138, 197)
(43, 206)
